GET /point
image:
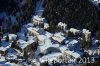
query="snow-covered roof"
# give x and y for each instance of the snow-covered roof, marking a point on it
(36, 62)
(36, 29)
(30, 41)
(43, 48)
(74, 54)
(12, 36)
(41, 37)
(48, 35)
(87, 34)
(48, 44)
(73, 42)
(33, 30)
(3, 48)
(21, 41)
(30, 37)
(85, 31)
(38, 18)
(63, 48)
(5, 44)
(41, 31)
(10, 64)
(62, 24)
(46, 25)
(21, 35)
(59, 34)
(2, 58)
(58, 37)
(22, 44)
(73, 30)
(11, 50)
(11, 56)
(67, 41)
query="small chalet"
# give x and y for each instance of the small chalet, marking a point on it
(37, 20)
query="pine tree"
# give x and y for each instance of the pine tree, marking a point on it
(25, 33)
(13, 45)
(0, 42)
(98, 34)
(26, 39)
(55, 64)
(35, 45)
(85, 44)
(25, 55)
(10, 28)
(17, 38)
(7, 38)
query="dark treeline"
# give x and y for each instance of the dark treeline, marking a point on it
(8, 5)
(22, 9)
(76, 13)
(25, 7)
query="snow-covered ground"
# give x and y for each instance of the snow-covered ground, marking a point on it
(51, 46)
(39, 8)
(4, 16)
(96, 3)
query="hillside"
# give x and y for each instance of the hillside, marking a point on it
(76, 13)
(49, 33)
(15, 13)
(21, 9)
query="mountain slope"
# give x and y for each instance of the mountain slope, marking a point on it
(76, 13)
(15, 13)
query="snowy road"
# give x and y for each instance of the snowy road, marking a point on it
(39, 8)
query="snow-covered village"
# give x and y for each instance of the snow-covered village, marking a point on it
(44, 40)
